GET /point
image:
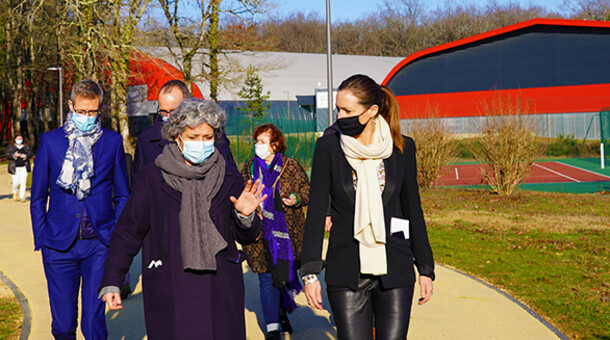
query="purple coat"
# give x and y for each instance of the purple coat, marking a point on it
(179, 304)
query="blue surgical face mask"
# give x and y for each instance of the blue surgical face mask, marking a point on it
(83, 122)
(19, 141)
(197, 152)
(164, 119)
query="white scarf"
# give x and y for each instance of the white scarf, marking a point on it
(369, 222)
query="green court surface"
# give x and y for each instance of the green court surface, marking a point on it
(588, 164)
(591, 164)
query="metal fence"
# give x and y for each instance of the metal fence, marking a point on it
(298, 128)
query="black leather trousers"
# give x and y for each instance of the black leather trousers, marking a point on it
(357, 312)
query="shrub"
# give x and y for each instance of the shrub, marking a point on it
(508, 145)
(434, 147)
(564, 146)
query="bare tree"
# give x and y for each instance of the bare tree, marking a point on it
(508, 147)
(435, 146)
(126, 16)
(588, 9)
(298, 32)
(26, 44)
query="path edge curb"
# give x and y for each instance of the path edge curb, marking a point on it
(514, 300)
(25, 306)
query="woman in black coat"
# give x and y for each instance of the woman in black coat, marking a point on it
(368, 172)
(184, 214)
(18, 154)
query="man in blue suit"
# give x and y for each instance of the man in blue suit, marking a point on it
(80, 172)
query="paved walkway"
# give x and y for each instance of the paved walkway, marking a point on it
(461, 308)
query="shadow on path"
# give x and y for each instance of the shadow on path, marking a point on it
(306, 322)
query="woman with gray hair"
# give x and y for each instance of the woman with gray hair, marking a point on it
(184, 214)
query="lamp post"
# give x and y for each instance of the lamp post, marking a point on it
(329, 67)
(61, 92)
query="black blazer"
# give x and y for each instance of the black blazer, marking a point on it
(332, 174)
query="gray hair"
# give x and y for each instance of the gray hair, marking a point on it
(193, 112)
(87, 88)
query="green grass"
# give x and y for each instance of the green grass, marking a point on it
(549, 250)
(10, 315)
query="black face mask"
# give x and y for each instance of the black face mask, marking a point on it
(351, 126)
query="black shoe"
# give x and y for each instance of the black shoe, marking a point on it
(273, 335)
(125, 291)
(285, 324)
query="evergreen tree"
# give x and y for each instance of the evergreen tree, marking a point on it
(257, 104)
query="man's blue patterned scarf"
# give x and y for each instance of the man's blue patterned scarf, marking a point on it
(77, 168)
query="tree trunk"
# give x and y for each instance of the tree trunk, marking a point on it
(214, 50)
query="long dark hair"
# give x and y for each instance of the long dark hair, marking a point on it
(370, 93)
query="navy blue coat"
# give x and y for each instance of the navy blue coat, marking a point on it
(179, 304)
(57, 227)
(150, 145)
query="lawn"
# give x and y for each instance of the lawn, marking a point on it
(10, 314)
(549, 250)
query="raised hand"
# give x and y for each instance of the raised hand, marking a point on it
(250, 198)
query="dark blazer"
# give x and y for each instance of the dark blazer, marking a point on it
(57, 227)
(332, 174)
(150, 145)
(12, 161)
(179, 304)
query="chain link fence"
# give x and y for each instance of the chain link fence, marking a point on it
(297, 124)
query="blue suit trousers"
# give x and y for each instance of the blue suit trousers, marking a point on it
(64, 270)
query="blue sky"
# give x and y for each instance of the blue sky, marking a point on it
(342, 10)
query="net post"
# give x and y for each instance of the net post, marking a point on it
(601, 155)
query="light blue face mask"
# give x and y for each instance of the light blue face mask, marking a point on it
(197, 152)
(82, 122)
(164, 119)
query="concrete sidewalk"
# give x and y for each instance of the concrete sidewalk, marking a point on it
(461, 308)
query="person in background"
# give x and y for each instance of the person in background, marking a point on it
(184, 215)
(18, 154)
(368, 171)
(275, 255)
(150, 143)
(80, 172)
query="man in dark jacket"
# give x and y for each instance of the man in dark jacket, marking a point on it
(150, 143)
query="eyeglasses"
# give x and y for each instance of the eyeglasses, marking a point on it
(166, 112)
(89, 113)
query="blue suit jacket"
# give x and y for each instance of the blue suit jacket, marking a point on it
(57, 227)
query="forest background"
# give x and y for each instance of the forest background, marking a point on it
(96, 39)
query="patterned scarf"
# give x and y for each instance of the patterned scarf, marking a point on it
(77, 168)
(275, 232)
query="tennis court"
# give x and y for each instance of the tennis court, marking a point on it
(557, 171)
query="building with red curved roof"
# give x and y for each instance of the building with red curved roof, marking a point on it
(558, 67)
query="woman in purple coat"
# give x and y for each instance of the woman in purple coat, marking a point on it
(184, 214)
